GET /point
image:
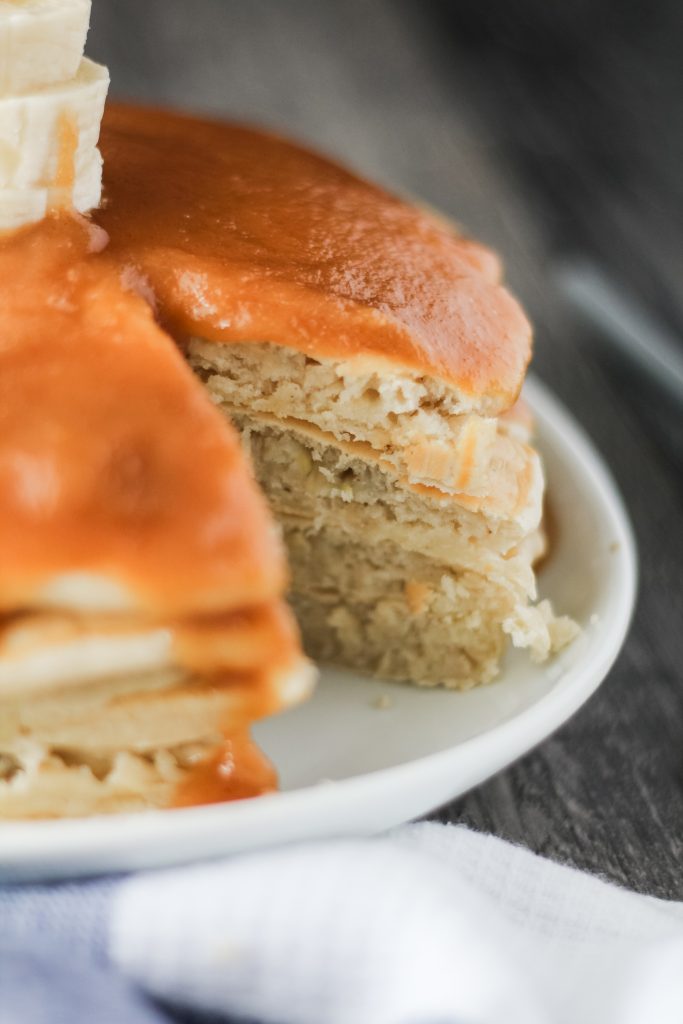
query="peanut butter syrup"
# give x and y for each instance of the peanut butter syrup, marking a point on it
(247, 237)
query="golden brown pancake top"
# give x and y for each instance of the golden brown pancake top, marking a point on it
(247, 237)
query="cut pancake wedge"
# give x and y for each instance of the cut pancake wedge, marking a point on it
(141, 626)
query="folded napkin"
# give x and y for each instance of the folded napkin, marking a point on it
(431, 924)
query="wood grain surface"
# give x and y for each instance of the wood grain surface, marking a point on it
(545, 138)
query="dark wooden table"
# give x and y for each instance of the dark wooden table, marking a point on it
(549, 130)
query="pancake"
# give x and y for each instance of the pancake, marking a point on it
(406, 579)
(141, 621)
(371, 358)
(245, 236)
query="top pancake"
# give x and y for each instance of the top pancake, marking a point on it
(244, 236)
(121, 485)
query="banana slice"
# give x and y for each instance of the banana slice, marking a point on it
(41, 42)
(51, 105)
(20, 206)
(47, 137)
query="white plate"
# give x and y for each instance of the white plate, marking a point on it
(348, 767)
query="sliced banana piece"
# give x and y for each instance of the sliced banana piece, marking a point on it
(20, 206)
(47, 137)
(41, 42)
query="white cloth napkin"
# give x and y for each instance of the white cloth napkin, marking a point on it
(431, 924)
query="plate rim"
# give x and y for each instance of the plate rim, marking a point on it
(87, 846)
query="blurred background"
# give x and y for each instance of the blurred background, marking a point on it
(555, 133)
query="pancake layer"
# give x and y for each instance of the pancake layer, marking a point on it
(411, 566)
(244, 235)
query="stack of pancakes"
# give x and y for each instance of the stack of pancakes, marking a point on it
(141, 626)
(371, 361)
